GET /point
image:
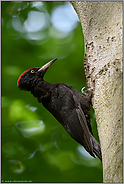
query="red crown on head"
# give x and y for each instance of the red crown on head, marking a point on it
(23, 74)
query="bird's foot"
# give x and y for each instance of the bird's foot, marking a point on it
(88, 92)
(82, 91)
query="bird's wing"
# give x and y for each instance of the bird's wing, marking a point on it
(74, 121)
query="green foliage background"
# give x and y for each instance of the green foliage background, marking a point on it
(35, 147)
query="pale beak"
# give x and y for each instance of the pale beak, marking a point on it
(46, 66)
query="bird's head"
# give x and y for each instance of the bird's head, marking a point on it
(28, 78)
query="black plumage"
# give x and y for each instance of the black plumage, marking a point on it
(66, 104)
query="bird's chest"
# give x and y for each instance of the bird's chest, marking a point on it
(56, 104)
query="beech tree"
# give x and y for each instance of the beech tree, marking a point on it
(102, 28)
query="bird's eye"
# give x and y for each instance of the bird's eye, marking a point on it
(32, 71)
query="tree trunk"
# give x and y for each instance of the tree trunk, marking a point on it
(102, 28)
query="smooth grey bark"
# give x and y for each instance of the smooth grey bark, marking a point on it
(102, 28)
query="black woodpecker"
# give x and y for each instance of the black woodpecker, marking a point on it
(66, 104)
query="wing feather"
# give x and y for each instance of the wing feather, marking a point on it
(75, 122)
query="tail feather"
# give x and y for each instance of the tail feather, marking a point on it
(98, 153)
(96, 148)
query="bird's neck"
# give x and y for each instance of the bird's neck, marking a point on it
(42, 90)
(45, 85)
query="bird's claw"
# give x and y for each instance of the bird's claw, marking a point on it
(86, 89)
(82, 91)
(88, 93)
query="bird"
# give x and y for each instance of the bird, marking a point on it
(65, 103)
